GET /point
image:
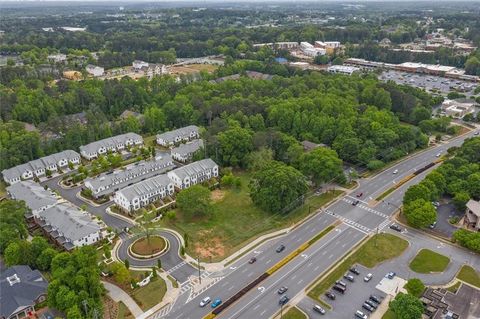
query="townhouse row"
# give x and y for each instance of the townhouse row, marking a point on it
(110, 144)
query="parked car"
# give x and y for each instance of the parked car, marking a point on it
(436, 204)
(359, 194)
(360, 315)
(252, 260)
(349, 277)
(340, 289)
(355, 271)
(368, 307)
(368, 277)
(355, 202)
(318, 309)
(432, 225)
(283, 300)
(280, 248)
(205, 301)
(341, 283)
(216, 303)
(371, 304)
(282, 290)
(376, 299)
(330, 295)
(396, 227)
(390, 275)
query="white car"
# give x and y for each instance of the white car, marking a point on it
(395, 171)
(368, 277)
(438, 155)
(205, 301)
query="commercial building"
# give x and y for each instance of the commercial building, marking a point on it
(458, 108)
(94, 70)
(181, 135)
(137, 64)
(108, 183)
(184, 152)
(112, 144)
(472, 215)
(39, 167)
(343, 69)
(22, 289)
(328, 46)
(35, 196)
(139, 195)
(193, 173)
(311, 51)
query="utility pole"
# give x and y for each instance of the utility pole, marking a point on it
(199, 271)
(85, 308)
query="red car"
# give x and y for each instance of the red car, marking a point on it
(252, 260)
(359, 194)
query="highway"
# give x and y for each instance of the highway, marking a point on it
(358, 222)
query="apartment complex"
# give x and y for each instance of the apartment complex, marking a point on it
(141, 194)
(112, 144)
(343, 69)
(184, 152)
(108, 183)
(39, 167)
(181, 135)
(193, 173)
(310, 50)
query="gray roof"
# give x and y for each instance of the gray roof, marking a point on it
(132, 173)
(188, 148)
(183, 132)
(109, 142)
(20, 291)
(145, 187)
(70, 221)
(34, 195)
(474, 207)
(194, 168)
(16, 171)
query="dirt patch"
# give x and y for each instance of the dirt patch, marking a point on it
(217, 195)
(210, 246)
(146, 247)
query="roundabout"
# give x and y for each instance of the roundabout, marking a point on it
(148, 247)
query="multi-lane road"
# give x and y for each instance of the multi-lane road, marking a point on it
(358, 222)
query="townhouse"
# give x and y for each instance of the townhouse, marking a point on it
(35, 196)
(108, 183)
(139, 195)
(39, 167)
(112, 144)
(184, 152)
(193, 173)
(181, 135)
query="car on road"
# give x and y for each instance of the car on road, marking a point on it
(205, 301)
(476, 133)
(252, 260)
(280, 248)
(216, 303)
(390, 275)
(360, 315)
(330, 295)
(376, 299)
(355, 202)
(395, 171)
(371, 304)
(349, 277)
(355, 271)
(368, 307)
(359, 194)
(368, 277)
(319, 309)
(283, 300)
(341, 283)
(432, 225)
(396, 227)
(340, 289)
(438, 155)
(282, 290)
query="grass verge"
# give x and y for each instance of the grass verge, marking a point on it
(453, 288)
(389, 315)
(427, 261)
(123, 312)
(375, 250)
(151, 294)
(294, 313)
(469, 275)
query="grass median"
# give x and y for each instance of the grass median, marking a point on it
(427, 261)
(375, 250)
(294, 313)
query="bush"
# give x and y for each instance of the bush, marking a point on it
(468, 239)
(415, 287)
(375, 164)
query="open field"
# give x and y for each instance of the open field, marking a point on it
(427, 261)
(469, 275)
(192, 68)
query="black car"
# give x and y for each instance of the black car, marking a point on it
(282, 290)
(340, 289)
(341, 283)
(371, 304)
(355, 271)
(349, 277)
(396, 227)
(252, 260)
(355, 202)
(330, 295)
(375, 299)
(368, 307)
(280, 248)
(283, 300)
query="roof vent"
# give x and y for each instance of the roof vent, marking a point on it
(12, 280)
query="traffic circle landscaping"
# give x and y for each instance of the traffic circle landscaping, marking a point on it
(148, 247)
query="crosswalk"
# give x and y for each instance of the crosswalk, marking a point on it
(180, 265)
(194, 294)
(186, 286)
(368, 209)
(350, 223)
(162, 312)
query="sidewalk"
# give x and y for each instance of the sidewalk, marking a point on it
(117, 294)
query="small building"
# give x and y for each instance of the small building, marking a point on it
(57, 58)
(458, 108)
(184, 152)
(22, 289)
(308, 146)
(181, 135)
(194, 173)
(343, 69)
(138, 65)
(94, 70)
(110, 144)
(472, 215)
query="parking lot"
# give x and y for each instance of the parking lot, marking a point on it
(430, 82)
(444, 213)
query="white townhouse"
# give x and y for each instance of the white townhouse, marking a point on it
(107, 183)
(184, 152)
(112, 144)
(139, 195)
(34, 195)
(39, 167)
(194, 173)
(94, 70)
(181, 135)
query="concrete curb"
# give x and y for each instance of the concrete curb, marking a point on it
(125, 218)
(135, 256)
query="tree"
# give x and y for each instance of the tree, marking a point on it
(406, 306)
(12, 222)
(415, 287)
(127, 263)
(277, 186)
(45, 259)
(155, 120)
(460, 200)
(468, 239)
(420, 213)
(257, 159)
(322, 165)
(194, 201)
(235, 144)
(415, 192)
(120, 273)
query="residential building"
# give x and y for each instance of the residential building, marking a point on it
(181, 135)
(108, 183)
(112, 144)
(139, 195)
(311, 51)
(35, 196)
(22, 289)
(328, 46)
(94, 70)
(458, 108)
(57, 58)
(138, 65)
(194, 173)
(39, 167)
(343, 69)
(472, 215)
(184, 152)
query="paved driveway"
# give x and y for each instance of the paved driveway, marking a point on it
(444, 213)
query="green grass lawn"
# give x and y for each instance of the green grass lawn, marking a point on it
(453, 288)
(294, 313)
(148, 296)
(3, 189)
(469, 275)
(235, 221)
(123, 312)
(427, 261)
(389, 315)
(377, 249)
